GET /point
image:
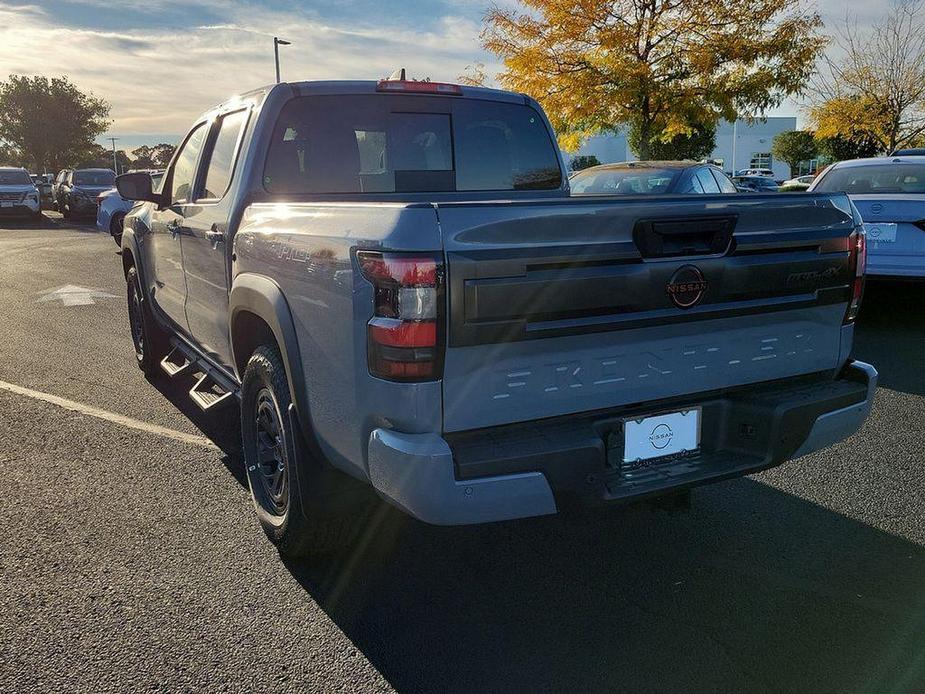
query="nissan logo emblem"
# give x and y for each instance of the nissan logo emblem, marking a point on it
(687, 286)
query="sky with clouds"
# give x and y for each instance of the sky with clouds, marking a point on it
(162, 62)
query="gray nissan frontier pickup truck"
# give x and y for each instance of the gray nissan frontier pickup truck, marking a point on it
(391, 281)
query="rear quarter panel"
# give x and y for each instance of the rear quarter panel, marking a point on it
(308, 250)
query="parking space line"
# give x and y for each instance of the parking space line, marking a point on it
(122, 420)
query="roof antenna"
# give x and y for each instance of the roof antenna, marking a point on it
(399, 74)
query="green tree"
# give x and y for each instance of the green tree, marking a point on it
(162, 154)
(793, 147)
(50, 122)
(695, 145)
(101, 158)
(156, 157)
(658, 66)
(838, 148)
(143, 157)
(583, 161)
(8, 155)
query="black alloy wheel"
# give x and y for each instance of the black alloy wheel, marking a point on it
(271, 455)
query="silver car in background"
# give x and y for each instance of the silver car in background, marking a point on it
(111, 209)
(889, 192)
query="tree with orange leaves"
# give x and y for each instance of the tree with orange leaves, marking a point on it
(657, 67)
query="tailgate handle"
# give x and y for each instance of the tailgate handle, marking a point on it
(677, 238)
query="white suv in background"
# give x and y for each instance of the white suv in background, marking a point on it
(18, 194)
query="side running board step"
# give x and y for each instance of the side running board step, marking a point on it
(212, 388)
(209, 394)
(176, 362)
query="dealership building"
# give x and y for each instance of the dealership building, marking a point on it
(741, 145)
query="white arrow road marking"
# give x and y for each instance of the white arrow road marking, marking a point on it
(72, 295)
(122, 420)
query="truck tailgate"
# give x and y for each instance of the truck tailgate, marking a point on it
(585, 304)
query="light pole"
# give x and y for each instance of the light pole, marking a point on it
(735, 142)
(115, 163)
(277, 42)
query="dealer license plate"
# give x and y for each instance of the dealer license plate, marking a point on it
(661, 435)
(880, 233)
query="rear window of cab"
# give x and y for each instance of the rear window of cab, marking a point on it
(375, 143)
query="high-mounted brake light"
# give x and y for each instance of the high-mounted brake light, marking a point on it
(403, 336)
(858, 259)
(421, 87)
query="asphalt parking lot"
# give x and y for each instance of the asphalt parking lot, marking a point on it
(130, 558)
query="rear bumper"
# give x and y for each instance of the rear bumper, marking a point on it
(530, 469)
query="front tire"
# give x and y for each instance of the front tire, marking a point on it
(148, 338)
(284, 478)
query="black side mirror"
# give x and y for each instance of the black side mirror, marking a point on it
(137, 186)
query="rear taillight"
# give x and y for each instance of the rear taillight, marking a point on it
(858, 261)
(404, 336)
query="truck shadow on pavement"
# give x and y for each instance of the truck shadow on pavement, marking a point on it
(891, 334)
(751, 590)
(221, 427)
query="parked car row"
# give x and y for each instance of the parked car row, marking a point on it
(671, 177)
(73, 192)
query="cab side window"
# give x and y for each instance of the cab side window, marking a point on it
(691, 186)
(222, 157)
(707, 181)
(184, 168)
(725, 185)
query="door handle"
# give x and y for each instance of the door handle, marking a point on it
(215, 236)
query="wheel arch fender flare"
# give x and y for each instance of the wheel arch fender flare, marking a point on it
(261, 296)
(130, 244)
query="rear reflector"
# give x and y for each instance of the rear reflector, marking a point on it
(421, 87)
(404, 336)
(399, 333)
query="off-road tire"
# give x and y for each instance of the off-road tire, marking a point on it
(293, 521)
(148, 338)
